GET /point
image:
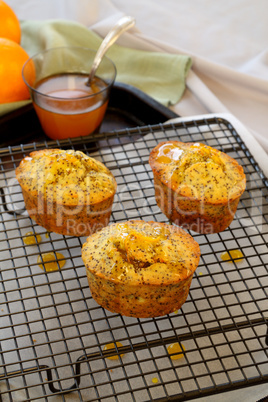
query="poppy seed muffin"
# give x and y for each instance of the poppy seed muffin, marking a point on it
(66, 192)
(140, 269)
(196, 186)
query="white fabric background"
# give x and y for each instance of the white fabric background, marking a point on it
(227, 41)
(228, 44)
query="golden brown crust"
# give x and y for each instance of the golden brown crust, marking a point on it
(66, 192)
(140, 269)
(196, 186)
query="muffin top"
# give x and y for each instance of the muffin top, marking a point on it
(198, 171)
(138, 252)
(67, 177)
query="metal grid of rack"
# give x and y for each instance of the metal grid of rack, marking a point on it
(53, 333)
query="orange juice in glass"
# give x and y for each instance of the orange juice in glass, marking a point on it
(65, 104)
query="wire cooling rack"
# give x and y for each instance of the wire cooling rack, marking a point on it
(53, 333)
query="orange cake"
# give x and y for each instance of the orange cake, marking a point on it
(66, 192)
(196, 186)
(140, 269)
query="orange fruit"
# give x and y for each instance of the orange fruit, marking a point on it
(9, 23)
(12, 59)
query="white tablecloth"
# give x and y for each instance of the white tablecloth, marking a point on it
(227, 41)
(228, 45)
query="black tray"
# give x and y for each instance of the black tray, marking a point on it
(128, 107)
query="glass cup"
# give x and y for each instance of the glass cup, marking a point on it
(65, 105)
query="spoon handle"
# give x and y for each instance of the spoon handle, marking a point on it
(122, 25)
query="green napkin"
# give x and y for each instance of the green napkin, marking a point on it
(160, 75)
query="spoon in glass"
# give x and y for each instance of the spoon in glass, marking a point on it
(121, 26)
